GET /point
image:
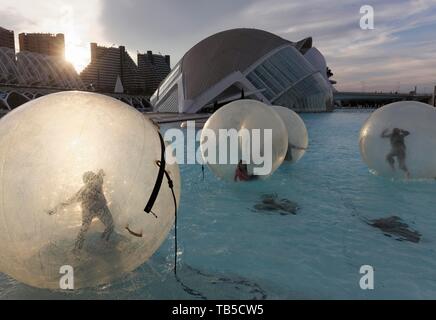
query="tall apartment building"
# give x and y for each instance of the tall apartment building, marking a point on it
(7, 39)
(153, 69)
(43, 43)
(109, 64)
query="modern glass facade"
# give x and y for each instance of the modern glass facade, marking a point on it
(163, 93)
(256, 63)
(311, 94)
(288, 80)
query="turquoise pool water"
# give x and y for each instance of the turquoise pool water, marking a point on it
(229, 250)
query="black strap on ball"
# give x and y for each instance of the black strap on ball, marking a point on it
(148, 209)
(153, 197)
(160, 176)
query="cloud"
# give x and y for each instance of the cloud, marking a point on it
(12, 18)
(355, 55)
(167, 26)
(400, 49)
(51, 16)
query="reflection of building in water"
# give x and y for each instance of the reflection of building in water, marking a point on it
(262, 65)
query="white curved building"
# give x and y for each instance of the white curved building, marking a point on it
(262, 65)
(37, 70)
(317, 60)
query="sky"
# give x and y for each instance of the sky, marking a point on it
(399, 53)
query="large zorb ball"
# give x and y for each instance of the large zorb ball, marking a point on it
(77, 170)
(298, 139)
(399, 140)
(244, 116)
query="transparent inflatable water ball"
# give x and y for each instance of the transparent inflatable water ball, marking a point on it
(258, 154)
(298, 139)
(77, 172)
(399, 141)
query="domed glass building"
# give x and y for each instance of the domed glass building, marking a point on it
(249, 62)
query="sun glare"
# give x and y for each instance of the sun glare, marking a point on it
(77, 51)
(78, 55)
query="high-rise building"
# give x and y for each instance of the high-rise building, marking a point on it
(7, 39)
(109, 64)
(43, 43)
(153, 68)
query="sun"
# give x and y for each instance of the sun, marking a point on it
(77, 50)
(78, 55)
